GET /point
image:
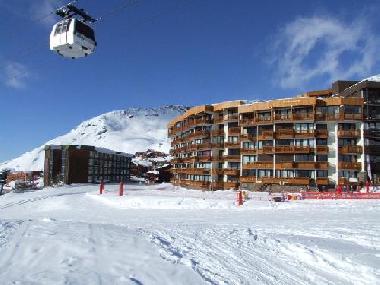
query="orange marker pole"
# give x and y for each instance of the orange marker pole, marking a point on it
(121, 188)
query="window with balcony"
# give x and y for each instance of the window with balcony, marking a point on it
(322, 173)
(233, 151)
(234, 165)
(321, 141)
(305, 173)
(304, 127)
(249, 158)
(249, 145)
(264, 173)
(304, 157)
(233, 139)
(284, 142)
(285, 173)
(322, 157)
(304, 142)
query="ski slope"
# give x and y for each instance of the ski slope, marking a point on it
(163, 234)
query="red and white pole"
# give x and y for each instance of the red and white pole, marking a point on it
(239, 198)
(101, 188)
(121, 188)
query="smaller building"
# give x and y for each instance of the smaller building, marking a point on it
(84, 164)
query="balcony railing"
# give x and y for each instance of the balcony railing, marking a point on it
(235, 157)
(303, 117)
(265, 135)
(232, 144)
(264, 119)
(217, 132)
(217, 171)
(283, 117)
(231, 171)
(203, 158)
(247, 122)
(321, 133)
(231, 117)
(349, 165)
(265, 150)
(247, 179)
(322, 149)
(248, 151)
(292, 149)
(338, 117)
(258, 165)
(304, 134)
(234, 131)
(296, 181)
(347, 149)
(218, 120)
(231, 185)
(199, 134)
(250, 137)
(284, 133)
(285, 165)
(322, 181)
(349, 133)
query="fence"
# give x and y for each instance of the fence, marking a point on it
(344, 195)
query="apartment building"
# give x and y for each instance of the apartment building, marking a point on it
(320, 138)
(84, 164)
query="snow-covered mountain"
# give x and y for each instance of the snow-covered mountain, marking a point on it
(130, 130)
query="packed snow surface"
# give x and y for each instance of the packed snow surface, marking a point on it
(130, 130)
(163, 234)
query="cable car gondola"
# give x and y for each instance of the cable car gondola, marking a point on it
(73, 37)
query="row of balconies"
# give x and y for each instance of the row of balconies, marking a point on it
(306, 165)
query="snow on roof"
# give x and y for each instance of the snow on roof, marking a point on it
(153, 172)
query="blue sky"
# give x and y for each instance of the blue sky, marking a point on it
(175, 52)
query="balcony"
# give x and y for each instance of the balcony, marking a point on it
(248, 151)
(198, 184)
(304, 134)
(351, 149)
(258, 165)
(231, 117)
(204, 146)
(283, 117)
(231, 185)
(349, 133)
(231, 171)
(296, 181)
(285, 165)
(269, 180)
(345, 116)
(218, 145)
(232, 144)
(322, 149)
(265, 135)
(248, 137)
(321, 133)
(217, 158)
(247, 179)
(218, 120)
(199, 134)
(322, 181)
(234, 131)
(196, 171)
(284, 133)
(264, 119)
(217, 133)
(265, 150)
(303, 117)
(196, 122)
(349, 165)
(292, 149)
(203, 158)
(235, 157)
(247, 122)
(338, 117)
(217, 171)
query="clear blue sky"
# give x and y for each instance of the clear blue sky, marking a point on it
(175, 52)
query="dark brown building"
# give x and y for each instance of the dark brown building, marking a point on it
(84, 164)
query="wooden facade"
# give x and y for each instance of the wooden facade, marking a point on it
(317, 139)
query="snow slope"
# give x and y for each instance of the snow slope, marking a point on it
(130, 130)
(163, 234)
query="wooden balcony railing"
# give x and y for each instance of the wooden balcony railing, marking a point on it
(230, 157)
(258, 165)
(234, 131)
(265, 150)
(321, 133)
(349, 165)
(322, 181)
(231, 117)
(217, 133)
(347, 149)
(217, 171)
(218, 145)
(218, 120)
(264, 119)
(199, 134)
(285, 165)
(203, 158)
(247, 122)
(231, 171)
(269, 180)
(196, 171)
(248, 151)
(338, 117)
(231, 185)
(232, 144)
(305, 134)
(322, 149)
(284, 133)
(303, 117)
(292, 149)
(265, 135)
(249, 137)
(296, 181)
(283, 117)
(349, 133)
(247, 179)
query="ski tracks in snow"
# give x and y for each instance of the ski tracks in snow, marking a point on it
(232, 255)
